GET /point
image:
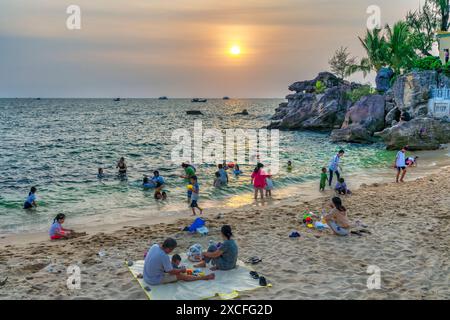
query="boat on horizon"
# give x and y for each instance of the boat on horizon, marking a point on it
(163, 98)
(226, 98)
(116, 99)
(199, 100)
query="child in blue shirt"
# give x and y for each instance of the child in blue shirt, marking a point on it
(31, 199)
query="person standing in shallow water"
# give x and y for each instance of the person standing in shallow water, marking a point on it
(31, 199)
(122, 166)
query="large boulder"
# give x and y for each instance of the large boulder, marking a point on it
(308, 110)
(418, 134)
(362, 120)
(412, 91)
(383, 79)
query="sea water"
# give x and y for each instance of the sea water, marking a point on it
(57, 145)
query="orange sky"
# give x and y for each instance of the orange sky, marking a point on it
(178, 48)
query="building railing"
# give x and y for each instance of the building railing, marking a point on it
(441, 93)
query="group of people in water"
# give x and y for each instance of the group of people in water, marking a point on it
(159, 268)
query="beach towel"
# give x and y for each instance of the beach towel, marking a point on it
(227, 284)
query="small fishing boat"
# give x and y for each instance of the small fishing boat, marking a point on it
(194, 112)
(199, 100)
(226, 98)
(163, 98)
(116, 99)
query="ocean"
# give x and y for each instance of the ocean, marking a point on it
(57, 145)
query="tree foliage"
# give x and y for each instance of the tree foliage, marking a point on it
(341, 62)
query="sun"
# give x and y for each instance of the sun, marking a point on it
(235, 50)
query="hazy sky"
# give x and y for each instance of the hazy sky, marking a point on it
(178, 48)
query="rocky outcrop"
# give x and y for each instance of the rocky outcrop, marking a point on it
(308, 109)
(362, 120)
(412, 92)
(399, 115)
(418, 134)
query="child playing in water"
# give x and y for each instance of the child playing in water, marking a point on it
(217, 181)
(259, 180)
(57, 232)
(31, 199)
(236, 170)
(323, 179)
(160, 195)
(146, 183)
(269, 186)
(195, 195)
(341, 187)
(289, 166)
(176, 260)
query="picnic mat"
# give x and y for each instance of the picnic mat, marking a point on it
(225, 286)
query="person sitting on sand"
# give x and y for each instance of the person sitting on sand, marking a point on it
(223, 257)
(341, 187)
(337, 218)
(158, 268)
(57, 232)
(176, 260)
(122, 166)
(31, 199)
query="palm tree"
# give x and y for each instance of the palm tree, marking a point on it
(399, 50)
(375, 45)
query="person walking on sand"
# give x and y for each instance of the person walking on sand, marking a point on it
(400, 164)
(259, 180)
(334, 166)
(158, 268)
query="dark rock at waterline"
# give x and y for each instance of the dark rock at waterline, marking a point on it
(194, 112)
(418, 134)
(362, 120)
(242, 113)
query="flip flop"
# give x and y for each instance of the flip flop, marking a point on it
(294, 234)
(262, 282)
(254, 260)
(254, 275)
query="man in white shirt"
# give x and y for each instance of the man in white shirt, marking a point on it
(400, 164)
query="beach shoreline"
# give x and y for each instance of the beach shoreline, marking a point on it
(409, 243)
(429, 163)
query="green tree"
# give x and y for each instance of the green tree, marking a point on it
(375, 45)
(399, 48)
(341, 62)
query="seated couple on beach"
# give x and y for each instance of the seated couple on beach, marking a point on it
(158, 268)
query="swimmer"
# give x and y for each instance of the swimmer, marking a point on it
(122, 166)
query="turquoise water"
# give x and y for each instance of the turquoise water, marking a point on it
(58, 144)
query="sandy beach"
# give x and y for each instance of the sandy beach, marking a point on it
(409, 243)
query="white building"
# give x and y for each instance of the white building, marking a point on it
(439, 104)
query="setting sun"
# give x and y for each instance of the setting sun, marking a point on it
(235, 50)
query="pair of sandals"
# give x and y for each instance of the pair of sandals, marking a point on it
(256, 276)
(360, 232)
